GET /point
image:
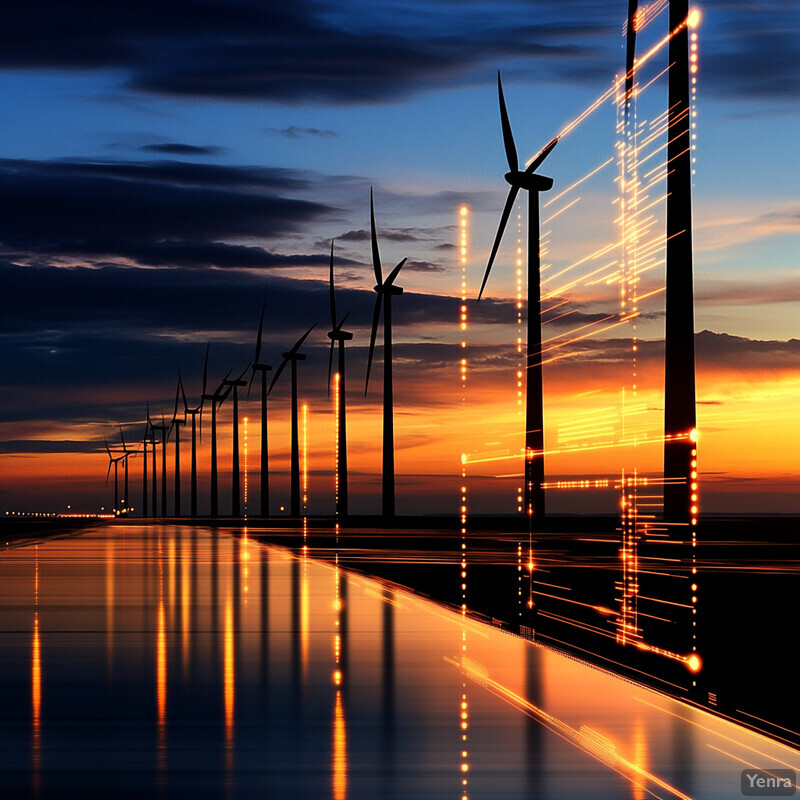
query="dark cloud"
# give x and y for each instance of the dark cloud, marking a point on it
(756, 53)
(293, 132)
(163, 213)
(295, 53)
(20, 446)
(178, 149)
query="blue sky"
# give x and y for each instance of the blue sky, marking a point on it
(230, 141)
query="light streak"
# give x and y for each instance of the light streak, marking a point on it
(599, 747)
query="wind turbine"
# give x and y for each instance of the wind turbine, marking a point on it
(216, 398)
(115, 462)
(127, 454)
(176, 423)
(236, 492)
(292, 357)
(385, 289)
(198, 409)
(164, 428)
(534, 415)
(144, 471)
(257, 366)
(336, 334)
(154, 443)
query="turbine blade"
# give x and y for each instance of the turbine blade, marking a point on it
(375, 319)
(330, 366)
(542, 156)
(508, 137)
(108, 449)
(333, 294)
(183, 393)
(108, 472)
(512, 194)
(243, 372)
(342, 322)
(299, 343)
(122, 436)
(376, 256)
(277, 375)
(149, 421)
(394, 273)
(252, 377)
(205, 369)
(260, 331)
(177, 398)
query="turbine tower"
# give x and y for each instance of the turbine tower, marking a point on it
(198, 409)
(534, 413)
(292, 357)
(164, 428)
(680, 422)
(385, 290)
(236, 490)
(176, 423)
(257, 366)
(217, 398)
(336, 334)
(126, 455)
(144, 470)
(115, 462)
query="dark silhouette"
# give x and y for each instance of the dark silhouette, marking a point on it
(293, 356)
(115, 461)
(144, 470)
(385, 289)
(126, 455)
(236, 478)
(630, 52)
(534, 414)
(175, 424)
(679, 373)
(164, 428)
(193, 412)
(216, 399)
(336, 334)
(257, 366)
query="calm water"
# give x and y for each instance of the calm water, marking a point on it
(168, 660)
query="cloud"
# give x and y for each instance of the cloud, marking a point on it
(159, 213)
(294, 132)
(178, 149)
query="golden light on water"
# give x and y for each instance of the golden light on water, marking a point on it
(339, 766)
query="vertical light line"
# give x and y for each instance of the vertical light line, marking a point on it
(245, 467)
(305, 476)
(36, 685)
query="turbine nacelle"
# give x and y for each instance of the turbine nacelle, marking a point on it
(528, 181)
(383, 288)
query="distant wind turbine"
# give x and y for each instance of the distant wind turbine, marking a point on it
(534, 415)
(164, 428)
(144, 470)
(193, 412)
(336, 334)
(216, 399)
(175, 424)
(292, 357)
(385, 290)
(126, 455)
(258, 366)
(236, 491)
(115, 462)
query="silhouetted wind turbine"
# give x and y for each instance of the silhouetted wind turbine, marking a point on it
(292, 357)
(154, 443)
(257, 366)
(236, 491)
(126, 455)
(336, 334)
(144, 470)
(164, 428)
(176, 423)
(115, 462)
(194, 412)
(534, 416)
(216, 399)
(385, 289)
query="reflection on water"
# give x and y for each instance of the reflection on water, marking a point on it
(178, 661)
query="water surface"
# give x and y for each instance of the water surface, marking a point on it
(164, 661)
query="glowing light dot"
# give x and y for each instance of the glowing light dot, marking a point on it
(694, 662)
(693, 20)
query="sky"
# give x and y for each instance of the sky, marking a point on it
(167, 168)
